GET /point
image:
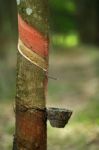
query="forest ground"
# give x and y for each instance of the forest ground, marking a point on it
(76, 88)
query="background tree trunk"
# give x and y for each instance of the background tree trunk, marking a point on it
(87, 14)
(30, 132)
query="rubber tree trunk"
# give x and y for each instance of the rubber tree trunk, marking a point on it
(32, 68)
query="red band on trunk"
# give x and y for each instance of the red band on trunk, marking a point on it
(32, 38)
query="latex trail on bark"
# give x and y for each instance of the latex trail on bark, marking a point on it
(32, 56)
(32, 44)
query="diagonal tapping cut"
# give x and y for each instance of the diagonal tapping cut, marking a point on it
(32, 38)
(32, 56)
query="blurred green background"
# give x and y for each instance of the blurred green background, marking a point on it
(74, 61)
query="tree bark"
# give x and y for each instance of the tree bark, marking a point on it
(32, 68)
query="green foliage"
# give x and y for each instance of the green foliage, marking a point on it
(63, 41)
(62, 15)
(67, 5)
